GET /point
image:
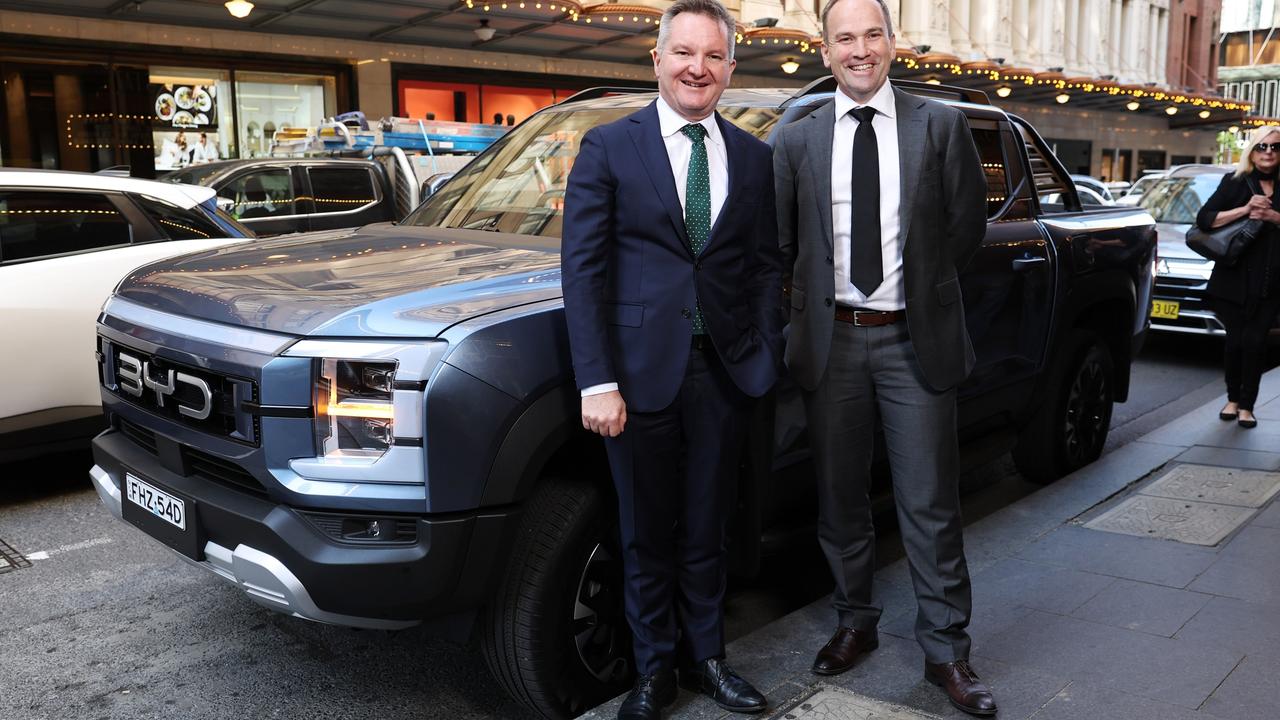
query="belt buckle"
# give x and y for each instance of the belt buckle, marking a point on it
(856, 315)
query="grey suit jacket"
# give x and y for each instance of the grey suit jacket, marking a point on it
(943, 218)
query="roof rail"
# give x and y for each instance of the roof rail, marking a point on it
(943, 92)
(599, 92)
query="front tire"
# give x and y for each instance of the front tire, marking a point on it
(1070, 428)
(555, 636)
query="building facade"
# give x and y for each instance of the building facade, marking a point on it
(109, 75)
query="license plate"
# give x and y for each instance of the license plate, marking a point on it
(156, 501)
(1164, 309)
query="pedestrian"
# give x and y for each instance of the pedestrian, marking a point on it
(881, 202)
(1246, 296)
(672, 296)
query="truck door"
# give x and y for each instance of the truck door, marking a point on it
(1008, 286)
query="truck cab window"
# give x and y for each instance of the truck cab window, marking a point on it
(35, 224)
(991, 154)
(341, 189)
(259, 194)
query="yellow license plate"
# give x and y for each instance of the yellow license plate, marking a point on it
(1164, 309)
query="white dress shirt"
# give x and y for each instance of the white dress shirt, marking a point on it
(890, 295)
(679, 148)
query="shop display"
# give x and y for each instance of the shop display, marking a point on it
(185, 106)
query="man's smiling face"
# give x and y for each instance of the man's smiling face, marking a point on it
(693, 68)
(858, 47)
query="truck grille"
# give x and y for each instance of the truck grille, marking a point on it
(226, 419)
(199, 464)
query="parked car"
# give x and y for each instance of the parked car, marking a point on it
(380, 427)
(66, 239)
(287, 195)
(1087, 197)
(1182, 276)
(1096, 186)
(1134, 194)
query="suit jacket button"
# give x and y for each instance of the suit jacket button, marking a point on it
(829, 260)
(828, 302)
(685, 313)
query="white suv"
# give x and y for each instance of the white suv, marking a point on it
(66, 240)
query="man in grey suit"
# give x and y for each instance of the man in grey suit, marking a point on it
(881, 202)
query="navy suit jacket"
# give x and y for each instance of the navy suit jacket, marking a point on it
(630, 277)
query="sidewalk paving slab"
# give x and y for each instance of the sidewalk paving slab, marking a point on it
(1070, 622)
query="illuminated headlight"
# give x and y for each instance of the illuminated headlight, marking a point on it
(355, 408)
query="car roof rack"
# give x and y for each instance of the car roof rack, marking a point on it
(599, 92)
(942, 92)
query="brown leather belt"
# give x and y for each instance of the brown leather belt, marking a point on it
(868, 318)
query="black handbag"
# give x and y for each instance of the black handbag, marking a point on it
(1227, 243)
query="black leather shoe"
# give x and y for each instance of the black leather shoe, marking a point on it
(650, 694)
(963, 687)
(1248, 423)
(715, 679)
(843, 649)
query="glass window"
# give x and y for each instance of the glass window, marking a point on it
(191, 116)
(259, 194)
(339, 189)
(268, 102)
(179, 223)
(37, 224)
(993, 166)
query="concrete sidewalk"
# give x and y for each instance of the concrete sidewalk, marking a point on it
(1073, 621)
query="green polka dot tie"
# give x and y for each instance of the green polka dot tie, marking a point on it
(697, 203)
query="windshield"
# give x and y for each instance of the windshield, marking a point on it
(517, 186)
(1177, 200)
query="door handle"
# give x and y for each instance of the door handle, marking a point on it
(1024, 264)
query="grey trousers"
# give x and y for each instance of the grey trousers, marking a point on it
(874, 369)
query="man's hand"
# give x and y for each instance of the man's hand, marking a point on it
(604, 414)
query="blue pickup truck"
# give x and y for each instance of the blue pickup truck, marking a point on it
(378, 427)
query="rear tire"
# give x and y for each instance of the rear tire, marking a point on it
(1070, 428)
(555, 636)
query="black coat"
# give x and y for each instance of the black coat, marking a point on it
(1257, 273)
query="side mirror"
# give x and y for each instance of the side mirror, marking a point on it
(225, 204)
(433, 183)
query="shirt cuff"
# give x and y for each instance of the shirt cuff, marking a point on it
(600, 389)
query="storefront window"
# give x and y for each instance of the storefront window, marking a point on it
(192, 121)
(269, 102)
(474, 103)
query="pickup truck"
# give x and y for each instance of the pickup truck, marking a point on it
(278, 195)
(379, 427)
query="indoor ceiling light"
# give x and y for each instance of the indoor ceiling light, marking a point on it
(484, 32)
(1204, 114)
(1171, 110)
(790, 66)
(1004, 91)
(1132, 105)
(239, 8)
(1062, 98)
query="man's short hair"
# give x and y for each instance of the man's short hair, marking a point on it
(711, 8)
(888, 21)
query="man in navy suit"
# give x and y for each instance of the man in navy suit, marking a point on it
(672, 297)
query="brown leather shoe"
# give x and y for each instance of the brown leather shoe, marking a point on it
(843, 649)
(963, 687)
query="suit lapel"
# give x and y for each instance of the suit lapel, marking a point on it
(646, 133)
(912, 139)
(819, 138)
(732, 148)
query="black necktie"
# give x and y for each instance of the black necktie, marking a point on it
(866, 266)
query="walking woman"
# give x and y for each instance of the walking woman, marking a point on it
(1246, 296)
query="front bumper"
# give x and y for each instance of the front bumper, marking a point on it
(283, 561)
(1194, 315)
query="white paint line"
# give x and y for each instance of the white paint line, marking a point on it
(46, 554)
(42, 555)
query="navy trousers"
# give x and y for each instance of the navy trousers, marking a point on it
(676, 472)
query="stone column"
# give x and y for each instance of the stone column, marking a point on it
(1162, 52)
(68, 102)
(1070, 51)
(1019, 36)
(1115, 36)
(961, 27)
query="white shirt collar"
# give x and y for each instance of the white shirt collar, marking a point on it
(670, 122)
(882, 101)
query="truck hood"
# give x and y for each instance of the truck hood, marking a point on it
(1173, 241)
(376, 281)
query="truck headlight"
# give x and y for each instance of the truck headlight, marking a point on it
(355, 409)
